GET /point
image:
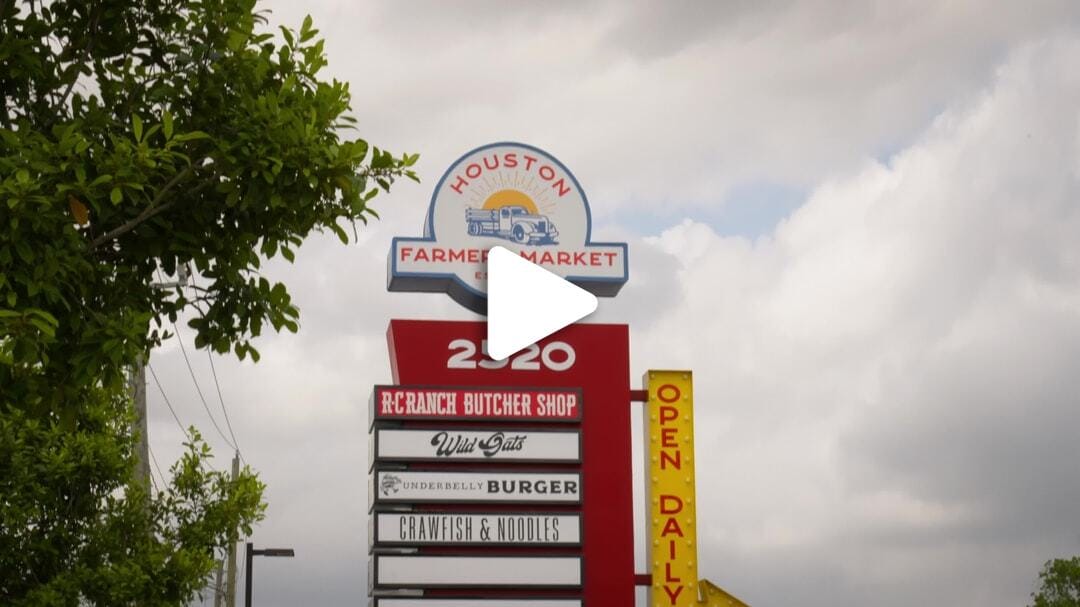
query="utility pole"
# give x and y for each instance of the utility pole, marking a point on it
(219, 594)
(138, 392)
(230, 584)
(142, 451)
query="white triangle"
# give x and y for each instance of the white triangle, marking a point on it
(527, 303)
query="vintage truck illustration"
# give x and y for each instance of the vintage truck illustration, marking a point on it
(514, 223)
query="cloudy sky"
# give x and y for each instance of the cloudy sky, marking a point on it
(857, 222)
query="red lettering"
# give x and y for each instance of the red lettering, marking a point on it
(667, 437)
(530, 255)
(438, 255)
(457, 254)
(529, 160)
(674, 596)
(474, 256)
(422, 255)
(494, 162)
(579, 258)
(668, 577)
(671, 549)
(470, 173)
(510, 160)
(665, 459)
(561, 186)
(670, 504)
(667, 412)
(546, 258)
(610, 258)
(547, 173)
(594, 259)
(460, 183)
(672, 526)
(405, 252)
(563, 258)
(668, 393)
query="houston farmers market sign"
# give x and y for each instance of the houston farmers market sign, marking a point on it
(511, 195)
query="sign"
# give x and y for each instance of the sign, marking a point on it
(672, 549)
(476, 404)
(476, 603)
(487, 529)
(594, 357)
(511, 195)
(408, 486)
(498, 445)
(405, 571)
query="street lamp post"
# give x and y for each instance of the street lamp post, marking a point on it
(249, 557)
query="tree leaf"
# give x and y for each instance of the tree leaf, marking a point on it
(78, 210)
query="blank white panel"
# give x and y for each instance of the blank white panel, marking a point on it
(419, 571)
(477, 602)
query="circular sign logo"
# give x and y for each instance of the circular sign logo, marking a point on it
(511, 195)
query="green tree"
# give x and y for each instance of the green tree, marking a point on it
(136, 137)
(1059, 584)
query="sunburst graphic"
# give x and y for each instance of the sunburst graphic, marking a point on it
(508, 189)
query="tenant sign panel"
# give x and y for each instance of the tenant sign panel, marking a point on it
(409, 486)
(479, 529)
(464, 445)
(388, 602)
(398, 403)
(448, 571)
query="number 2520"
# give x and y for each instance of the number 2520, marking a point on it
(556, 356)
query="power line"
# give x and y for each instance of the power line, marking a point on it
(160, 473)
(217, 386)
(235, 444)
(171, 410)
(228, 424)
(166, 398)
(191, 371)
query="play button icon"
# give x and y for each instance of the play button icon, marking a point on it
(527, 303)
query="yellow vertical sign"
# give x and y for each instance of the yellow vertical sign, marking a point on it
(671, 549)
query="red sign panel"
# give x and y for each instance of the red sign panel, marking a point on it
(475, 404)
(592, 357)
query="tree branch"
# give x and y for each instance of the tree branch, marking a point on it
(84, 55)
(7, 9)
(156, 207)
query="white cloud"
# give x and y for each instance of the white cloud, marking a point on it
(886, 384)
(892, 369)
